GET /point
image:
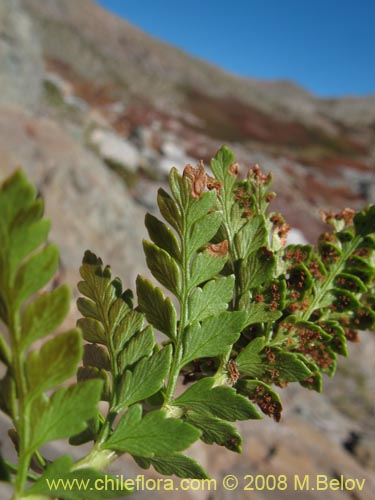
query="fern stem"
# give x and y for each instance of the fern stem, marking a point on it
(227, 205)
(21, 420)
(334, 270)
(96, 459)
(5, 355)
(111, 415)
(184, 314)
(221, 372)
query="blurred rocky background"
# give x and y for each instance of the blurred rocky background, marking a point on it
(97, 112)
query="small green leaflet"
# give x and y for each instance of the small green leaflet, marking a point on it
(56, 361)
(205, 266)
(213, 336)
(146, 378)
(261, 313)
(92, 373)
(262, 394)
(212, 299)
(330, 253)
(107, 309)
(291, 367)
(249, 360)
(338, 340)
(120, 321)
(180, 188)
(97, 284)
(44, 315)
(199, 207)
(344, 300)
(364, 221)
(250, 388)
(65, 413)
(315, 381)
(237, 220)
(169, 210)
(295, 254)
(203, 231)
(350, 282)
(88, 308)
(251, 236)
(93, 330)
(126, 328)
(291, 328)
(257, 269)
(215, 430)
(16, 195)
(140, 346)
(364, 318)
(22, 229)
(154, 434)
(27, 235)
(252, 362)
(173, 464)
(219, 401)
(96, 355)
(368, 242)
(360, 268)
(224, 158)
(300, 279)
(120, 308)
(163, 267)
(35, 273)
(158, 309)
(162, 236)
(55, 478)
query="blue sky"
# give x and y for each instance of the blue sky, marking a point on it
(326, 46)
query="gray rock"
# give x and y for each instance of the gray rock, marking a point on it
(165, 163)
(113, 148)
(172, 150)
(174, 154)
(76, 103)
(296, 237)
(150, 160)
(64, 87)
(88, 204)
(145, 138)
(158, 166)
(21, 64)
(145, 194)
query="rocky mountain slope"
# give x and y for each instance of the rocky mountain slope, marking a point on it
(97, 112)
(147, 91)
